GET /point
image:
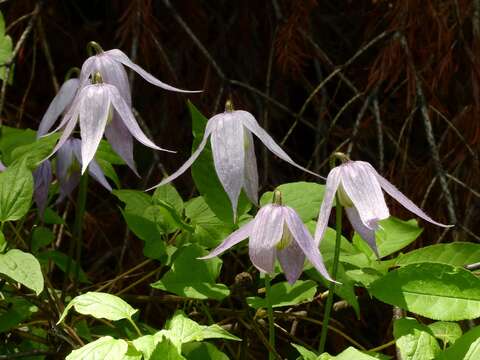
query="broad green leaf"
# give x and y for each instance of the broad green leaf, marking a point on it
(191, 277)
(135, 201)
(6, 48)
(205, 176)
(202, 351)
(3, 242)
(346, 290)
(16, 190)
(51, 217)
(349, 354)
(364, 276)
(11, 139)
(101, 306)
(456, 254)
(437, 291)
(414, 340)
(395, 234)
(284, 294)
(304, 197)
(155, 347)
(209, 231)
(170, 195)
(23, 268)
(467, 347)
(132, 354)
(448, 332)
(105, 348)
(106, 153)
(305, 353)
(16, 310)
(61, 260)
(109, 171)
(41, 237)
(180, 330)
(34, 153)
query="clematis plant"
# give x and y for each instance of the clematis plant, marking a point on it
(276, 232)
(111, 65)
(358, 187)
(93, 108)
(233, 153)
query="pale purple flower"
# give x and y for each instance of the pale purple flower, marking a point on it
(277, 232)
(42, 178)
(233, 153)
(359, 189)
(93, 108)
(68, 165)
(2, 167)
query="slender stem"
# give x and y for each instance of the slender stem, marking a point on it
(331, 289)
(137, 329)
(78, 225)
(271, 323)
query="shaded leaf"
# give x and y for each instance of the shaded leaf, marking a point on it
(284, 294)
(23, 268)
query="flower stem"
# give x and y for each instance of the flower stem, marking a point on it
(78, 225)
(271, 323)
(137, 329)
(331, 289)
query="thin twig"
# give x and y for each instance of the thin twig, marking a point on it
(46, 52)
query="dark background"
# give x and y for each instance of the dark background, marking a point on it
(402, 91)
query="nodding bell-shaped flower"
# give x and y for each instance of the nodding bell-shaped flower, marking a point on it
(2, 167)
(93, 108)
(69, 163)
(359, 189)
(42, 178)
(233, 154)
(276, 232)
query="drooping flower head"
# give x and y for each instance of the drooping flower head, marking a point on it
(92, 108)
(233, 154)
(276, 232)
(359, 189)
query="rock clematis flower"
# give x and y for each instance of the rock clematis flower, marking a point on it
(276, 232)
(93, 108)
(359, 189)
(233, 154)
(68, 165)
(111, 65)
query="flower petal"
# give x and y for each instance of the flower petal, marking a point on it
(333, 181)
(362, 187)
(229, 155)
(120, 56)
(67, 174)
(305, 241)
(93, 168)
(128, 119)
(67, 131)
(42, 177)
(58, 105)
(232, 240)
(251, 170)
(88, 67)
(291, 260)
(94, 113)
(391, 190)
(365, 233)
(266, 233)
(252, 124)
(114, 73)
(208, 130)
(121, 141)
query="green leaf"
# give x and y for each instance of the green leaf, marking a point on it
(105, 348)
(305, 353)
(16, 310)
(101, 306)
(202, 351)
(23, 268)
(6, 48)
(414, 340)
(205, 176)
(466, 347)
(109, 171)
(135, 201)
(448, 332)
(395, 234)
(437, 291)
(191, 277)
(180, 330)
(349, 354)
(34, 153)
(456, 254)
(16, 190)
(52, 217)
(284, 294)
(304, 197)
(167, 193)
(11, 139)
(41, 237)
(106, 153)
(157, 347)
(61, 260)
(209, 231)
